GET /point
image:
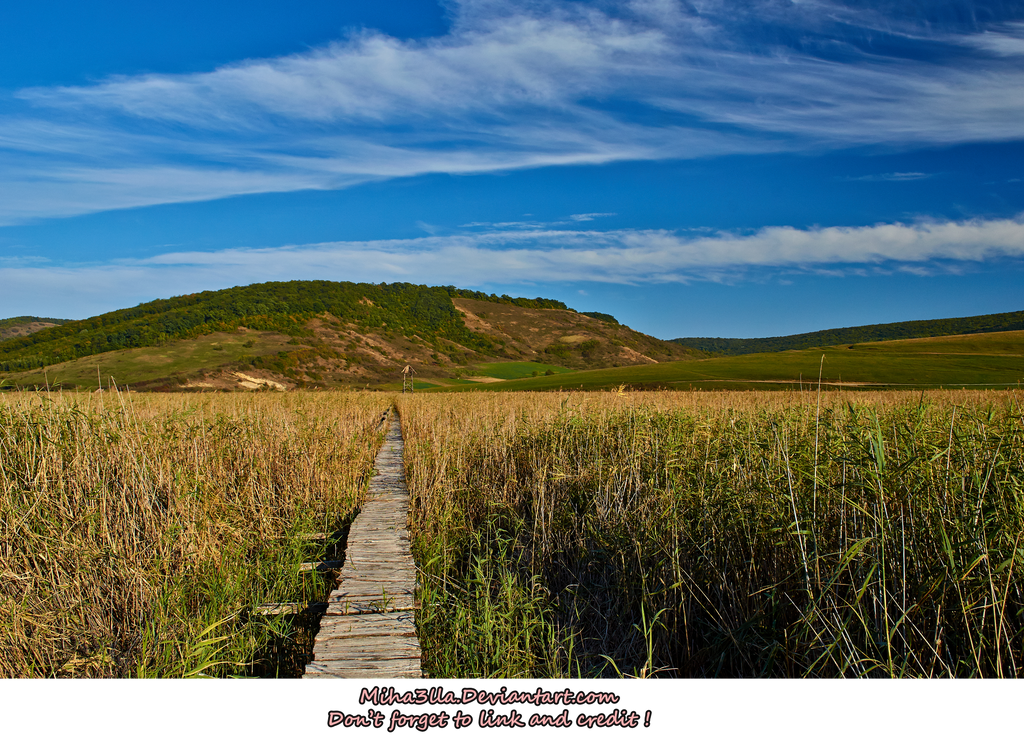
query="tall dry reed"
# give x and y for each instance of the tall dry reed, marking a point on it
(720, 534)
(140, 531)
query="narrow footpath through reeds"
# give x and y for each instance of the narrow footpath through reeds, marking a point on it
(368, 629)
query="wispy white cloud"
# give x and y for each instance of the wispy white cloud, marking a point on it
(74, 191)
(527, 257)
(895, 176)
(1009, 41)
(514, 85)
(588, 217)
(525, 225)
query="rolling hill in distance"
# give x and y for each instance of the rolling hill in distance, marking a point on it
(324, 334)
(18, 326)
(1005, 322)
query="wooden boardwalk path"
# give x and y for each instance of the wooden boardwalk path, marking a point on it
(369, 629)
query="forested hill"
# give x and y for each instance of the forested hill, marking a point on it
(395, 309)
(1005, 322)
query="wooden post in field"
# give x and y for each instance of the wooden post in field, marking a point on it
(407, 375)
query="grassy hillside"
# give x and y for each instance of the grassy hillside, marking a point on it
(514, 370)
(391, 309)
(1008, 321)
(565, 338)
(995, 360)
(18, 326)
(995, 343)
(324, 334)
(153, 367)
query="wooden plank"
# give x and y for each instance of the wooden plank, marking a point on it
(362, 604)
(371, 670)
(398, 519)
(368, 595)
(394, 646)
(319, 566)
(382, 580)
(370, 543)
(367, 588)
(380, 646)
(287, 608)
(370, 607)
(341, 626)
(363, 670)
(381, 583)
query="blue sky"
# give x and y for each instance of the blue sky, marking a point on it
(709, 168)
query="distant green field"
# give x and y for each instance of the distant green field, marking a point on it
(514, 370)
(997, 343)
(977, 362)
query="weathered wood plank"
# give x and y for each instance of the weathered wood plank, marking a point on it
(362, 626)
(288, 608)
(373, 544)
(380, 582)
(319, 566)
(380, 646)
(394, 669)
(356, 604)
(370, 588)
(369, 568)
(400, 646)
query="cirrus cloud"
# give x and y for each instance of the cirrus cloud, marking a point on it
(516, 85)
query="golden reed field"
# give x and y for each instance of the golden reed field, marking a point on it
(140, 531)
(557, 534)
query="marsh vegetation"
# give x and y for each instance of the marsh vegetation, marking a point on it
(141, 532)
(600, 534)
(743, 534)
